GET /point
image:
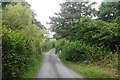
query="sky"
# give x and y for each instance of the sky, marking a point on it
(46, 8)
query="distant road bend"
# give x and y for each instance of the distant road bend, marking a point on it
(52, 67)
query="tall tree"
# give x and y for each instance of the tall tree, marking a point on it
(71, 12)
(21, 17)
(38, 24)
(17, 16)
(108, 11)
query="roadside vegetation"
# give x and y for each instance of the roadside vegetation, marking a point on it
(89, 46)
(90, 71)
(22, 41)
(86, 39)
(34, 67)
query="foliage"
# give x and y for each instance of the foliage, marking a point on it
(45, 45)
(95, 32)
(91, 71)
(18, 52)
(17, 16)
(59, 44)
(22, 40)
(5, 3)
(33, 67)
(88, 40)
(108, 11)
(38, 23)
(70, 13)
(79, 51)
(83, 38)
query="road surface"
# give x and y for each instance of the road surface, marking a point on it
(52, 67)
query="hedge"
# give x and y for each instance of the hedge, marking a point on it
(18, 52)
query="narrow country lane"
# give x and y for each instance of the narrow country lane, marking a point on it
(52, 67)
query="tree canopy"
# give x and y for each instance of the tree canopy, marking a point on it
(70, 14)
(108, 11)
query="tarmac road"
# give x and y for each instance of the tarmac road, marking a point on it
(52, 67)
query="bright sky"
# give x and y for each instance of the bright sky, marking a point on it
(46, 8)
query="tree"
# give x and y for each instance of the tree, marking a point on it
(17, 16)
(21, 17)
(70, 14)
(38, 24)
(108, 11)
(5, 3)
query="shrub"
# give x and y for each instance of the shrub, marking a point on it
(80, 51)
(18, 52)
(59, 44)
(45, 46)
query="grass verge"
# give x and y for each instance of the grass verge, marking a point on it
(34, 66)
(88, 71)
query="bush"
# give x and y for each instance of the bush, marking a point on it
(59, 44)
(45, 45)
(80, 51)
(18, 52)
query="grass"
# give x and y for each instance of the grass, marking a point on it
(88, 71)
(34, 66)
